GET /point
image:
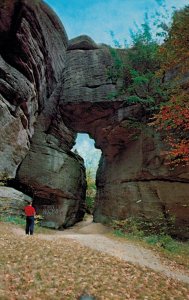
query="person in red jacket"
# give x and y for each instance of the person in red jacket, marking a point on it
(30, 214)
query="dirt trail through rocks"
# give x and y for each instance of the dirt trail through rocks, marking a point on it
(94, 235)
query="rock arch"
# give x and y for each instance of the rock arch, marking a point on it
(132, 179)
(51, 88)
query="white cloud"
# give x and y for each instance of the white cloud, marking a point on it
(85, 147)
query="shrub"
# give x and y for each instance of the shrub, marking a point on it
(143, 226)
(138, 229)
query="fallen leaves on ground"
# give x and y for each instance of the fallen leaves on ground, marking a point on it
(32, 268)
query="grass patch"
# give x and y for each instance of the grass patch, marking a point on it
(161, 242)
(17, 220)
(21, 222)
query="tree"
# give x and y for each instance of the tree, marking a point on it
(91, 187)
(155, 75)
(173, 116)
(136, 67)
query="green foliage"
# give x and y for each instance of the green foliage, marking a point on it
(116, 70)
(152, 232)
(20, 220)
(119, 233)
(164, 241)
(143, 226)
(112, 95)
(135, 70)
(91, 189)
(175, 49)
(90, 203)
(13, 219)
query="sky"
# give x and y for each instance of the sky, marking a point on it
(97, 18)
(85, 147)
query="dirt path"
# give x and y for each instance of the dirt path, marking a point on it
(94, 236)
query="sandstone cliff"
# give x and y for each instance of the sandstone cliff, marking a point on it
(34, 136)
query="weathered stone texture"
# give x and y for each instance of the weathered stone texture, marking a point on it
(86, 76)
(33, 48)
(54, 174)
(12, 202)
(82, 42)
(120, 196)
(17, 117)
(57, 180)
(136, 182)
(32, 56)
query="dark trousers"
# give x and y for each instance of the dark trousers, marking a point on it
(29, 225)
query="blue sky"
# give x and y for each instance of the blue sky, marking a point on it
(97, 18)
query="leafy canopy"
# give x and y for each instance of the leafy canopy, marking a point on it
(155, 76)
(134, 69)
(173, 116)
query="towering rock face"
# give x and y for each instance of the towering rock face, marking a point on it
(136, 183)
(34, 136)
(32, 49)
(132, 179)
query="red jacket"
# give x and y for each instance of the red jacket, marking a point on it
(29, 211)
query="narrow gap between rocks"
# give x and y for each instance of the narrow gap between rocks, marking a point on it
(85, 147)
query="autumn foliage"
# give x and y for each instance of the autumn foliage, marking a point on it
(173, 117)
(175, 51)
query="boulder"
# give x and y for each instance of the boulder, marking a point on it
(153, 201)
(82, 42)
(57, 181)
(12, 202)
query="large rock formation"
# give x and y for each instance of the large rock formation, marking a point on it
(132, 179)
(136, 183)
(52, 88)
(34, 136)
(32, 53)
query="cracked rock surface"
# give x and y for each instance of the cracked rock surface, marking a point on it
(34, 141)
